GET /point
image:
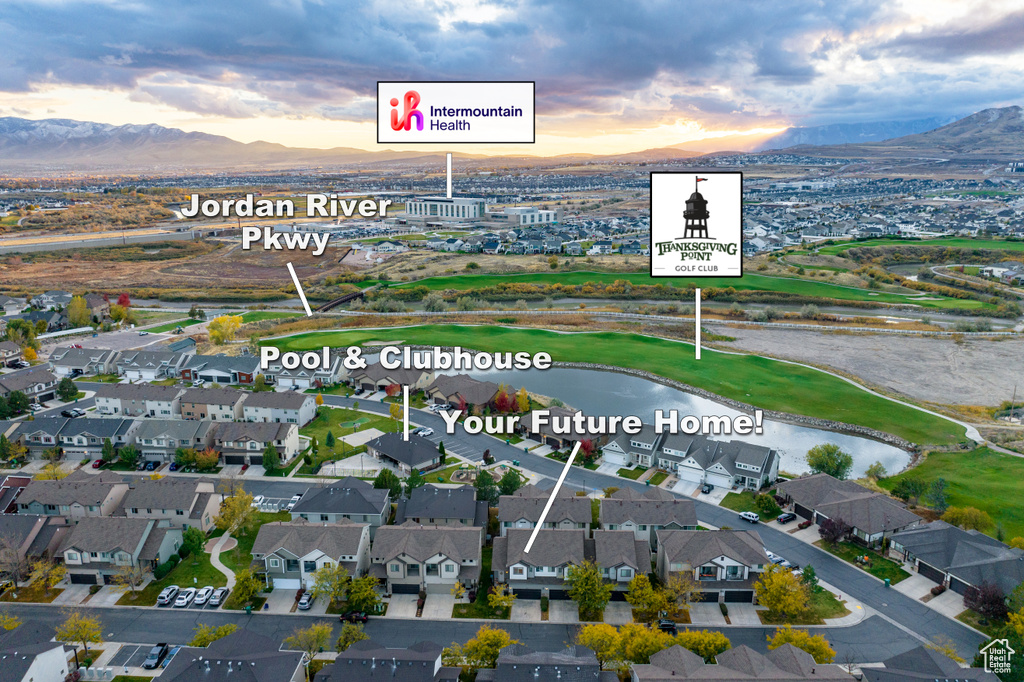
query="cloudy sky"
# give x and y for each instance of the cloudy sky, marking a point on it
(611, 75)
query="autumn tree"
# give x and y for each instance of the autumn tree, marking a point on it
(479, 652)
(987, 599)
(47, 573)
(501, 598)
(331, 581)
(247, 584)
(350, 634)
(968, 518)
(392, 390)
(503, 402)
(588, 589)
(945, 646)
(207, 459)
(644, 598)
(237, 513)
(362, 594)
(1016, 543)
(205, 635)
(129, 577)
(52, 472)
(396, 412)
(705, 643)
(259, 384)
(78, 312)
(9, 621)
(523, 400)
(816, 645)
(828, 458)
(222, 329)
(781, 591)
(638, 642)
(79, 628)
(680, 589)
(310, 640)
(602, 639)
(833, 530)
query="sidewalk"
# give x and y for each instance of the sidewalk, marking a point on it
(223, 544)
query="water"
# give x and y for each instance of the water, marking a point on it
(609, 393)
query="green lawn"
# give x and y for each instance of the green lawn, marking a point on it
(31, 593)
(880, 567)
(822, 604)
(171, 326)
(480, 608)
(952, 242)
(744, 501)
(331, 419)
(658, 478)
(198, 567)
(241, 556)
(259, 315)
(632, 474)
(752, 379)
(982, 478)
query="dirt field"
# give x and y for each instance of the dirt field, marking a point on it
(937, 370)
(419, 264)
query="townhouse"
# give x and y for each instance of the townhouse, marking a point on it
(244, 442)
(37, 383)
(221, 369)
(85, 436)
(28, 537)
(450, 506)
(97, 548)
(543, 431)
(9, 352)
(11, 306)
(215, 404)
(350, 498)
(38, 435)
(923, 664)
(139, 400)
(417, 453)
(303, 378)
(646, 513)
(726, 563)
(783, 664)
(462, 390)
(289, 553)
(524, 508)
(542, 571)
(29, 654)
(376, 378)
(149, 365)
(420, 662)
(287, 408)
(412, 557)
(620, 556)
(243, 655)
(158, 440)
(181, 502)
(520, 663)
(69, 362)
(77, 496)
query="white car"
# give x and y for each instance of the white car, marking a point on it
(750, 517)
(258, 500)
(424, 431)
(219, 596)
(294, 501)
(203, 595)
(167, 595)
(185, 597)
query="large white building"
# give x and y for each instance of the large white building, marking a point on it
(474, 210)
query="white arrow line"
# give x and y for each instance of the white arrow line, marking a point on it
(298, 287)
(696, 324)
(554, 492)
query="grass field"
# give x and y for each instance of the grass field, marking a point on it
(953, 242)
(982, 478)
(171, 326)
(259, 315)
(822, 604)
(744, 501)
(749, 282)
(195, 566)
(880, 567)
(632, 474)
(752, 379)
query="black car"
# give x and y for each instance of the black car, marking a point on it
(707, 488)
(68, 413)
(354, 617)
(666, 625)
(786, 518)
(156, 654)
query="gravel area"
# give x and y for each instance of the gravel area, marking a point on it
(934, 369)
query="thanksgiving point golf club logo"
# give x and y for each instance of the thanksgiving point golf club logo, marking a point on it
(696, 224)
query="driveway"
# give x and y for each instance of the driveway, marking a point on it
(109, 595)
(563, 611)
(916, 586)
(743, 614)
(706, 613)
(949, 603)
(280, 601)
(525, 611)
(72, 594)
(438, 606)
(618, 613)
(404, 606)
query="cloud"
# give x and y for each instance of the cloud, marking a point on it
(968, 36)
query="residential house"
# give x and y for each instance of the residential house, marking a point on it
(29, 654)
(98, 547)
(287, 407)
(542, 571)
(726, 563)
(462, 389)
(11, 488)
(390, 246)
(303, 378)
(99, 307)
(368, 660)
(159, 439)
(492, 247)
(404, 455)
(215, 404)
(139, 400)
(290, 552)
(376, 378)
(39, 435)
(11, 306)
(646, 515)
(449, 506)
(925, 664)
(452, 244)
(873, 516)
(574, 249)
(520, 663)
(412, 557)
(52, 299)
(38, 383)
(76, 496)
(150, 365)
(85, 436)
(244, 442)
(958, 558)
(242, 655)
(222, 369)
(784, 664)
(9, 352)
(524, 508)
(621, 556)
(350, 498)
(542, 430)
(68, 362)
(54, 321)
(28, 537)
(601, 248)
(182, 502)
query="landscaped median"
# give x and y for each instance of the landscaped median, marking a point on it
(751, 379)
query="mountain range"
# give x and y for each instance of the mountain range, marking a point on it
(64, 144)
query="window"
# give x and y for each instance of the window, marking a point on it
(517, 570)
(395, 568)
(449, 568)
(291, 565)
(309, 566)
(180, 512)
(708, 573)
(72, 556)
(323, 517)
(413, 569)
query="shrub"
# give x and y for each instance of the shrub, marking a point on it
(725, 609)
(93, 589)
(804, 524)
(183, 552)
(938, 589)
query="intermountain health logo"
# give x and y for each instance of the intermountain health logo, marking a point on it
(411, 101)
(696, 224)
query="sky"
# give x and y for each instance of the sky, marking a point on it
(612, 75)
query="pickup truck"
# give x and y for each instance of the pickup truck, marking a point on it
(156, 654)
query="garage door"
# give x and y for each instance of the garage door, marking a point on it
(83, 578)
(369, 387)
(930, 572)
(234, 459)
(561, 595)
(957, 585)
(618, 595)
(720, 480)
(526, 593)
(690, 474)
(802, 511)
(108, 579)
(707, 595)
(405, 588)
(739, 596)
(255, 460)
(287, 583)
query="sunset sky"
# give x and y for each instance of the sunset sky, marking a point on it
(611, 76)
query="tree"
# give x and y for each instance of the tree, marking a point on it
(319, 400)
(362, 594)
(503, 401)
(523, 400)
(29, 354)
(434, 303)
(52, 472)
(129, 454)
(124, 301)
(414, 481)
(118, 312)
(47, 573)
(107, 453)
(236, 513)
(247, 584)
(222, 329)
(501, 597)
(310, 640)
(53, 455)
(17, 402)
(766, 504)
(196, 313)
(968, 518)
(458, 590)
(5, 410)
(79, 628)
(78, 312)
(480, 651)
(1017, 542)
(329, 440)
(638, 642)
(680, 588)
(185, 457)
(271, 457)
(781, 591)
(392, 390)
(877, 471)
(207, 459)
(937, 495)
(908, 489)
(509, 483)
(833, 530)
(193, 540)
(602, 639)
(8, 621)
(387, 480)
(330, 581)
(809, 577)
(205, 635)
(129, 577)
(587, 588)
(350, 634)
(945, 646)
(67, 390)
(828, 458)
(644, 598)
(13, 563)
(485, 487)
(987, 599)
(705, 643)
(259, 384)
(816, 645)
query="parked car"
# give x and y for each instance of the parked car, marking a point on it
(425, 431)
(258, 500)
(185, 597)
(666, 625)
(292, 502)
(203, 595)
(198, 383)
(6, 585)
(306, 601)
(78, 412)
(173, 466)
(167, 595)
(68, 413)
(156, 655)
(353, 617)
(776, 559)
(786, 517)
(170, 656)
(219, 596)
(750, 517)
(97, 464)
(707, 488)
(141, 465)
(143, 333)
(151, 465)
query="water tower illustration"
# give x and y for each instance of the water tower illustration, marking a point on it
(696, 214)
